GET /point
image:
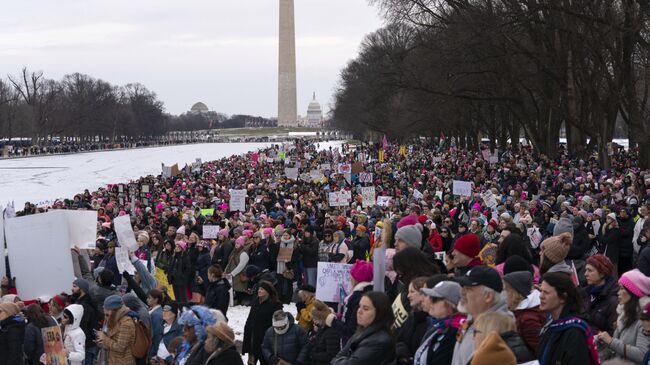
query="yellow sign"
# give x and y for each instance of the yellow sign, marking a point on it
(381, 156)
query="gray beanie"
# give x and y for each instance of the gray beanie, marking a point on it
(83, 284)
(113, 302)
(410, 234)
(521, 281)
(565, 224)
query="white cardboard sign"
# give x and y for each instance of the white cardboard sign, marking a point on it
(384, 201)
(462, 188)
(368, 194)
(39, 254)
(123, 261)
(237, 200)
(82, 227)
(124, 232)
(291, 173)
(333, 281)
(210, 231)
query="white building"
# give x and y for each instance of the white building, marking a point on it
(199, 108)
(314, 114)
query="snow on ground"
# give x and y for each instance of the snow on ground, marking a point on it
(237, 319)
(41, 179)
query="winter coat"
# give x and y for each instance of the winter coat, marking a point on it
(259, 320)
(410, 334)
(290, 347)
(33, 344)
(627, 232)
(628, 343)
(530, 320)
(227, 356)
(120, 338)
(98, 295)
(74, 339)
(309, 251)
(569, 347)
(643, 262)
(324, 344)
(581, 244)
(180, 270)
(517, 346)
(371, 346)
(157, 321)
(236, 264)
(164, 259)
(360, 246)
(90, 320)
(600, 305)
(610, 242)
(217, 295)
(260, 256)
(438, 348)
(12, 337)
(222, 253)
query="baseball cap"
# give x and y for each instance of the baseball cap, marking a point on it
(482, 275)
(449, 290)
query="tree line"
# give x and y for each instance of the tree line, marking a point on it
(82, 108)
(502, 69)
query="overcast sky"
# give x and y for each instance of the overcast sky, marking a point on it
(221, 52)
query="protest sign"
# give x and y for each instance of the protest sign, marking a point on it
(344, 168)
(384, 201)
(439, 194)
(417, 194)
(123, 260)
(368, 194)
(210, 231)
(345, 195)
(378, 268)
(207, 212)
(166, 172)
(305, 177)
(494, 159)
(82, 227)
(41, 241)
(333, 199)
(315, 175)
(437, 159)
(325, 167)
(53, 346)
(238, 200)
(357, 167)
(291, 173)
(462, 188)
(486, 154)
(124, 232)
(333, 281)
(284, 254)
(489, 199)
(365, 177)
(282, 155)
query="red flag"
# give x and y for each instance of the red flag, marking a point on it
(442, 135)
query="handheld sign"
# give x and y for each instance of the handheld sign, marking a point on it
(125, 234)
(123, 261)
(462, 188)
(368, 194)
(53, 346)
(210, 231)
(284, 254)
(332, 279)
(238, 200)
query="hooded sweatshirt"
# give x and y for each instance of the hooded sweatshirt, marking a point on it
(74, 339)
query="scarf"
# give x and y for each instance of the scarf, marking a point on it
(557, 327)
(434, 335)
(596, 290)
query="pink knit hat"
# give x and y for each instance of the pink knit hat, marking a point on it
(268, 231)
(182, 245)
(637, 283)
(361, 271)
(248, 233)
(409, 220)
(240, 241)
(224, 232)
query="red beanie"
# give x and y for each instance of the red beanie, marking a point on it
(422, 219)
(602, 264)
(468, 244)
(409, 220)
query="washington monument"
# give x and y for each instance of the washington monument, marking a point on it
(287, 104)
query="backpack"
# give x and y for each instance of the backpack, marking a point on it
(142, 342)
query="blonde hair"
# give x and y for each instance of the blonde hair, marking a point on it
(495, 321)
(510, 291)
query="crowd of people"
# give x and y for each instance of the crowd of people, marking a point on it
(545, 261)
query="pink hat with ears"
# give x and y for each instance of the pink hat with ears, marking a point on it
(224, 232)
(476, 206)
(247, 233)
(268, 231)
(240, 241)
(182, 245)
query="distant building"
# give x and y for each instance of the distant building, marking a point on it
(314, 117)
(259, 122)
(199, 108)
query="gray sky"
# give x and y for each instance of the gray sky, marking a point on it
(221, 52)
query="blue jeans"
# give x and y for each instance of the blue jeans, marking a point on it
(310, 274)
(91, 352)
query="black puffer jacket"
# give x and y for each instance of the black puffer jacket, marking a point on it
(581, 243)
(180, 270)
(218, 295)
(409, 336)
(290, 347)
(259, 320)
(517, 346)
(324, 345)
(372, 346)
(12, 336)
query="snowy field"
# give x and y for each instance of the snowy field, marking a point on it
(44, 179)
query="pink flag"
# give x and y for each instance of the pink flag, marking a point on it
(385, 142)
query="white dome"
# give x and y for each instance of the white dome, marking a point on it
(199, 108)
